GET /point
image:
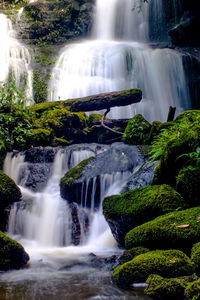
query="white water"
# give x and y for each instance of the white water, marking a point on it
(15, 59)
(118, 57)
(42, 222)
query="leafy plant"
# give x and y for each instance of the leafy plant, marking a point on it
(193, 158)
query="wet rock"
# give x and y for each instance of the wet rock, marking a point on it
(83, 183)
(80, 221)
(40, 155)
(36, 176)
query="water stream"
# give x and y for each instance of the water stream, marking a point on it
(15, 59)
(43, 223)
(119, 56)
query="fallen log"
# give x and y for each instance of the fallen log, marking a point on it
(104, 101)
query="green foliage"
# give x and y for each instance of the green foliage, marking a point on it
(188, 184)
(193, 158)
(40, 88)
(168, 263)
(179, 230)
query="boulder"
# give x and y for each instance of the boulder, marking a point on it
(82, 184)
(195, 256)
(167, 263)
(12, 254)
(126, 211)
(137, 131)
(160, 288)
(179, 230)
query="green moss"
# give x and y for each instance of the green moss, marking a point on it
(9, 191)
(160, 288)
(12, 254)
(192, 292)
(168, 263)
(182, 136)
(74, 173)
(94, 117)
(188, 184)
(179, 230)
(124, 212)
(132, 253)
(195, 256)
(40, 137)
(137, 131)
(39, 108)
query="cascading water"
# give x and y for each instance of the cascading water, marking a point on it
(118, 57)
(15, 59)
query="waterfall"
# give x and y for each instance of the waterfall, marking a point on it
(15, 59)
(118, 57)
(44, 220)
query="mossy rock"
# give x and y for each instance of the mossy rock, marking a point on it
(137, 131)
(39, 108)
(64, 123)
(132, 253)
(126, 211)
(9, 191)
(179, 230)
(74, 173)
(192, 291)
(188, 184)
(167, 263)
(160, 288)
(40, 137)
(94, 117)
(12, 254)
(195, 256)
(182, 136)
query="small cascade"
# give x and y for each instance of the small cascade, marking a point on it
(15, 59)
(117, 58)
(44, 219)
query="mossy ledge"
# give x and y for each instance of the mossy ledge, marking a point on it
(126, 211)
(167, 263)
(12, 254)
(179, 230)
(67, 182)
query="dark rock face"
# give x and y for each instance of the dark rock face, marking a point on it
(187, 32)
(37, 177)
(87, 188)
(40, 155)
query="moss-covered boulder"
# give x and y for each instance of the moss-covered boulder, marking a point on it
(192, 291)
(126, 211)
(167, 263)
(188, 184)
(195, 256)
(69, 188)
(9, 193)
(12, 254)
(179, 230)
(130, 254)
(137, 131)
(160, 288)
